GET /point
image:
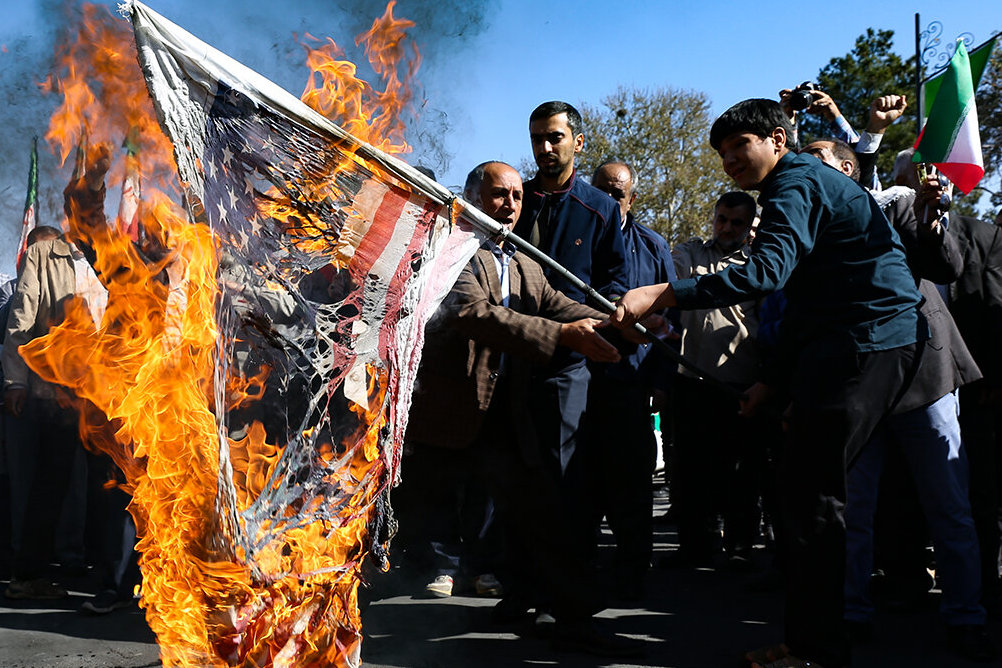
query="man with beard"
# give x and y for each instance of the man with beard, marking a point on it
(501, 323)
(579, 227)
(713, 444)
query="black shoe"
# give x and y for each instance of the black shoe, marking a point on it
(971, 642)
(509, 610)
(585, 637)
(105, 602)
(543, 624)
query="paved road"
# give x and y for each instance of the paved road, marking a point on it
(693, 619)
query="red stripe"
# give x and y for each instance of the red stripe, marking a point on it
(379, 233)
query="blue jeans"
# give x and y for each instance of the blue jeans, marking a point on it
(930, 440)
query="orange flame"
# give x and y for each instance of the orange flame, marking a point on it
(374, 117)
(335, 90)
(144, 376)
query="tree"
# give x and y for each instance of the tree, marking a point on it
(989, 100)
(854, 80)
(664, 133)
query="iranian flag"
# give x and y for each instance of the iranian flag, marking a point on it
(30, 203)
(950, 139)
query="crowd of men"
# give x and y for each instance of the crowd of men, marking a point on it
(830, 341)
(827, 338)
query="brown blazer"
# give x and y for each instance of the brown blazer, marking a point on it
(461, 362)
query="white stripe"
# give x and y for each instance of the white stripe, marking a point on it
(966, 147)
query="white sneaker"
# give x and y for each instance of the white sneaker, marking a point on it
(440, 587)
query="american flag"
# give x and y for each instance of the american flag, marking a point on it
(333, 259)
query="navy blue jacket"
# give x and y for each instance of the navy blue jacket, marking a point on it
(824, 238)
(650, 264)
(584, 237)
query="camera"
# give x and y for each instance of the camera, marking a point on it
(802, 96)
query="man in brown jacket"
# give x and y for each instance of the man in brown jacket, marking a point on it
(498, 328)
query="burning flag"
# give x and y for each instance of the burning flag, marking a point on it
(252, 372)
(128, 208)
(30, 203)
(951, 139)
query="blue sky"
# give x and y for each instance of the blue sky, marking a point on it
(488, 63)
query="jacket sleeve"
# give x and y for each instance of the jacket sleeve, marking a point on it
(496, 326)
(933, 255)
(993, 296)
(612, 270)
(787, 233)
(21, 321)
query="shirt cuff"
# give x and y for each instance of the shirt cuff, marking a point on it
(842, 127)
(868, 143)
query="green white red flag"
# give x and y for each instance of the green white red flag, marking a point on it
(950, 139)
(30, 203)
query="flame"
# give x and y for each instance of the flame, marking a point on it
(334, 89)
(143, 377)
(376, 117)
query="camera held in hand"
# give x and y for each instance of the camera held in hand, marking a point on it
(802, 96)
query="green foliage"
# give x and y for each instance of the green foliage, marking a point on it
(854, 80)
(989, 100)
(664, 134)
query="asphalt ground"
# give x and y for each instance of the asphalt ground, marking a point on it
(692, 618)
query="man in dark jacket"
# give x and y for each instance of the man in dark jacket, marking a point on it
(975, 301)
(579, 227)
(849, 340)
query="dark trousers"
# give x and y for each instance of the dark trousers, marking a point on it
(544, 562)
(621, 451)
(118, 561)
(839, 397)
(719, 463)
(445, 513)
(57, 443)
(977, 429)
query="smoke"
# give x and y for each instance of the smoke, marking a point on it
(259, 33)
(25, 59)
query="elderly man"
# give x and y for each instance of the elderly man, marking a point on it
(714, 446)
(622, 448)
(501, 325)
(849, 342)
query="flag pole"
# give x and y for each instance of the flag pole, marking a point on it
(918, 76)
(280, 100)
(499, 231)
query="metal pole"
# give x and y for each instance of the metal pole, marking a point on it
(920, 103)
(495, 229)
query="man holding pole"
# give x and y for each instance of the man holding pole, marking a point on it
(848, 347)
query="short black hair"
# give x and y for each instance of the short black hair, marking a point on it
(554, 107)
(43, 232)
(734, 199)
(757, 116)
